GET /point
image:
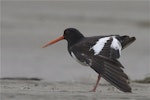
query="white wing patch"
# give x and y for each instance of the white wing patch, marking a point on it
(99, 45)
(116, 44)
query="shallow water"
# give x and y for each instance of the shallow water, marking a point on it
(27, 25)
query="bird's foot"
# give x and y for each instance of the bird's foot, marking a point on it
(93, 90)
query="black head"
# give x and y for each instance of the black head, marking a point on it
(72, 35)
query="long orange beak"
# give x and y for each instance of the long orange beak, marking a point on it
(54, 41)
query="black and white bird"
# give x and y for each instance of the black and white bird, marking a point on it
(101, 54)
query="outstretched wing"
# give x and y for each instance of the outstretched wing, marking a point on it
(111, 70)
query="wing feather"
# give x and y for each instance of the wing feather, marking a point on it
(112, 73)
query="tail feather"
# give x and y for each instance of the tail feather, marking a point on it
(126, 41)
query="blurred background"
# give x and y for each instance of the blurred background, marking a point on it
(27, 25)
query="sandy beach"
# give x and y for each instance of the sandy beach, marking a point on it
(41, 90)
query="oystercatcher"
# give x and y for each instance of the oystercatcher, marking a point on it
(100, 53)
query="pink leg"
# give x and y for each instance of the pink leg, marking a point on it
(97, 82)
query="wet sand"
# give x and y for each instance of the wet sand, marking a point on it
(41, 90)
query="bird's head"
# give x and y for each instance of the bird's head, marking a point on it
(72, 35)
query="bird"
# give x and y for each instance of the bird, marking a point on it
(101, 53)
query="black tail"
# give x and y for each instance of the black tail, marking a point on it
(111, 70)
(126, 41)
